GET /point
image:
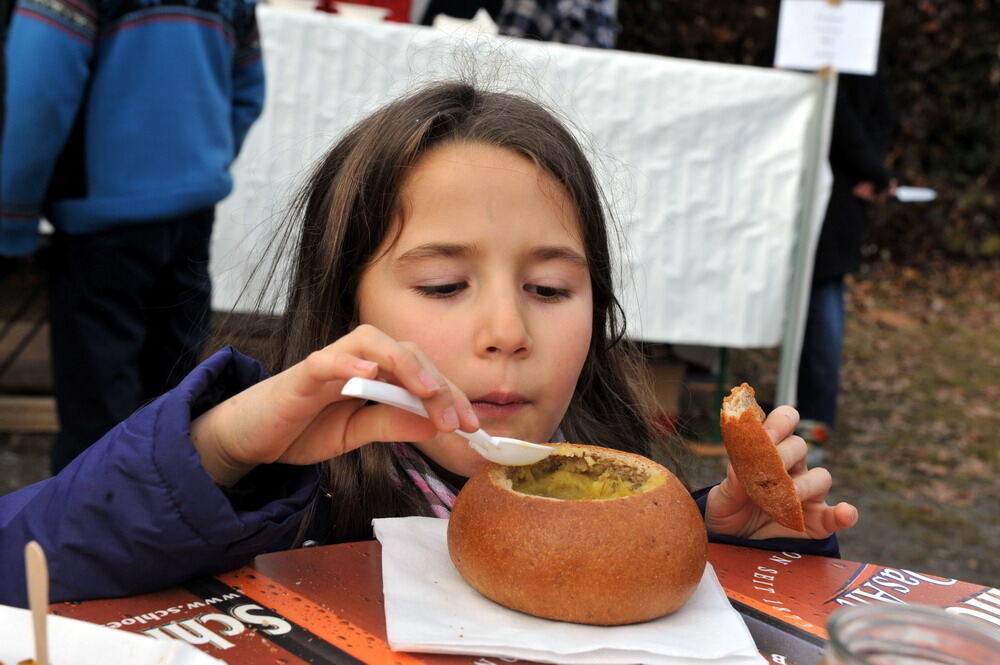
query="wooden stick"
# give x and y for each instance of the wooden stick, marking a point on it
(38, 598)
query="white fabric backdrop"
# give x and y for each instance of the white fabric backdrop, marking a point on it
(703, 163)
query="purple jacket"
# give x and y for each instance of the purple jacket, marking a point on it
(136, 512)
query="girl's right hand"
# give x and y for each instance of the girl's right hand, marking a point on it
(299, 416)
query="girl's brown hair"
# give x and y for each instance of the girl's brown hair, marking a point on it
(347, 209)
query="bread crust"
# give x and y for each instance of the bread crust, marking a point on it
(756, 461)
(604, 562)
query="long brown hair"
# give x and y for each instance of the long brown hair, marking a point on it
(343, 214)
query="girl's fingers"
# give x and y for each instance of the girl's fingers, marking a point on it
(793, 452)
(380, 422)
(323, 372)
(343, 426)
(813, 485)
(297, 393)
(728, 509)
(404, 362)
(823, 520)
(845, 515)
(468, 421)
(781, 423)
(396, 360)
(453, 405)
(326, 365)
(278, 418)
(731, 488)
(727, 499)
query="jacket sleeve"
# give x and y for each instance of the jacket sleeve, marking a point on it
(136, 511)
(825, 547)
(48, 52)
(248, 77)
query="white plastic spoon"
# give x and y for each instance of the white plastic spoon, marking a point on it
(37, 572)
(915, 194)
(499, 449)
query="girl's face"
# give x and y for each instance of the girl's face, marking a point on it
(489, 277)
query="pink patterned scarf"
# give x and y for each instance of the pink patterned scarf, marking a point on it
(440, 497)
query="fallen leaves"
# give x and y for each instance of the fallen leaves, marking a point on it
(918, 442)
(892, 319)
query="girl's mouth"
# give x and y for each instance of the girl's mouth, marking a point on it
(499, 405)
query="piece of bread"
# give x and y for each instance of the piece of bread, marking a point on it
(756, 461)
(602, 561)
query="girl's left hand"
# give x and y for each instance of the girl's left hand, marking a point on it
(730, 511)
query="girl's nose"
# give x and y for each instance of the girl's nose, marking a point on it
(503, 329)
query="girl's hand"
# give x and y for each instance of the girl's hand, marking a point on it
(299, 416)
(730, 511)
(865, 191)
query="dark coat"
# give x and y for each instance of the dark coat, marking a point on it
(861, 128)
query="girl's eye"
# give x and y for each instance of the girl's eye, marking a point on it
(441, 290)
(547, 293)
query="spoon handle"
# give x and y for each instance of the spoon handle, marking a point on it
(37, 571)
(386, 393)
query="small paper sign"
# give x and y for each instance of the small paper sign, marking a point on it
(844, 35)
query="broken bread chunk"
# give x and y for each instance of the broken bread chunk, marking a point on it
(756, 461)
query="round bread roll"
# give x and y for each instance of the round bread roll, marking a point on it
(589, 535)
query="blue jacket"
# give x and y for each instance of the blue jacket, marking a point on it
(136, 512)
(123, 111)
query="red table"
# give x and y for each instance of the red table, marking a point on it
(323, 605)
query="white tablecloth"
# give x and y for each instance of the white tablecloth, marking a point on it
(702, 163)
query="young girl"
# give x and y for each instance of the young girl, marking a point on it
(454, 243)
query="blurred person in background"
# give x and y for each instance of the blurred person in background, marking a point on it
(122, 119)
(6, 8)
(580, 22)
(861, 129)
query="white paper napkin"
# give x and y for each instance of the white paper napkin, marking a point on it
(73, 642)
(429, 608)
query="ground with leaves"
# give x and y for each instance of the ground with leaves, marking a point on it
(918, 444)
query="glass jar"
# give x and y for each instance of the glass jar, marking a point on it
(908, 635)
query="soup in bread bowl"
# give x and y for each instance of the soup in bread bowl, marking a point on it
(589, 535)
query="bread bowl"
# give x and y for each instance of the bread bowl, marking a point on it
(755, 459)
(621, 542)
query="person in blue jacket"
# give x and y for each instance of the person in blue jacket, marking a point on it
(122, 119)
(454, 243)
